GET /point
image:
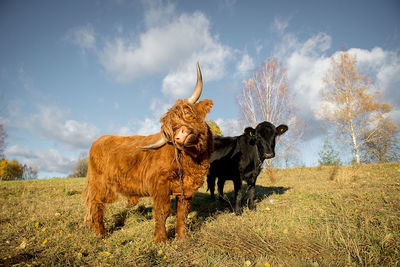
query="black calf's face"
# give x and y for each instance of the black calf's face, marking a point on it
(266, 134)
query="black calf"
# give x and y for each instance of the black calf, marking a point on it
(240, 159)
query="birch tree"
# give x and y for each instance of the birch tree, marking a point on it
(349, 104)
(384, 148)
(266, 97)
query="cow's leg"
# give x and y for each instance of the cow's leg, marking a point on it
(251, 193)
(221, 183)
(94, 217)
(161, 211)
(211, 185)
(95, 199)
(181, 215)
(237, 183)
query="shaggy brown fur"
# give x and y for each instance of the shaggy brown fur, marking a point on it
(117, 167)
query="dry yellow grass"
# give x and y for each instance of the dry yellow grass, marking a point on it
(306, 217)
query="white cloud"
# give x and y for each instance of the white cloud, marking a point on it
(82, 36)
(51, 122)
(140, 127)
(171, 42)
(16, 150)
(148, 126)
(230, 126)
(212, 59)
(157, 49)
(308, 62)
(50, 161)
(159, 107)
(382, 66)
(245, 65)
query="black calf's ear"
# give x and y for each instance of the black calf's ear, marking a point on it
(281, 129)
(250, 131)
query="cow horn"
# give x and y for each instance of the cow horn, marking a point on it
(199, 86)
(162, 141)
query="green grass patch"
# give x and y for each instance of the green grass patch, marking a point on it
(348, 216)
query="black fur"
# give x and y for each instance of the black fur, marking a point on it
(240, 159)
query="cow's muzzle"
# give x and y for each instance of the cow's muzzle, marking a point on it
(185, 137)
(269, 155)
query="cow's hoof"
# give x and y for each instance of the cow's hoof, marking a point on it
(238, 212)
(162, 240)
(181, 237)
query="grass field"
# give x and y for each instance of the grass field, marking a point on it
(324, 216)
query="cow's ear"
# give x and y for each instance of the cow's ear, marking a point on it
(250, 131)
(281, 129)
(204, 106)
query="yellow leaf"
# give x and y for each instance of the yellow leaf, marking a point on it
(22, 245)
(267, 264)
(105, 253)
(37, 224)
(44, 242)
(285, 231)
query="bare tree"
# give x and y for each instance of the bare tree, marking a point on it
(29, 173)
(81, 166)
(265, 97)
(349, 105)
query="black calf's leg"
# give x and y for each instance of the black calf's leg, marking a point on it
(221, 183)
(238, 196)
(211, 185)
(251, 193)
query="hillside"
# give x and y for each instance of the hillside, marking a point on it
(305, 217)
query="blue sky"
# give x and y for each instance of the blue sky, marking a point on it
(72, 71)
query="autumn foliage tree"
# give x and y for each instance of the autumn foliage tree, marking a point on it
(266, 97)
(10, 170)
(214, 127)
(350, 106)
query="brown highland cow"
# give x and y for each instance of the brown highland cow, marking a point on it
(175, 163)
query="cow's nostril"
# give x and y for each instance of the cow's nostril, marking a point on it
(269, 155)
(181, 135)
